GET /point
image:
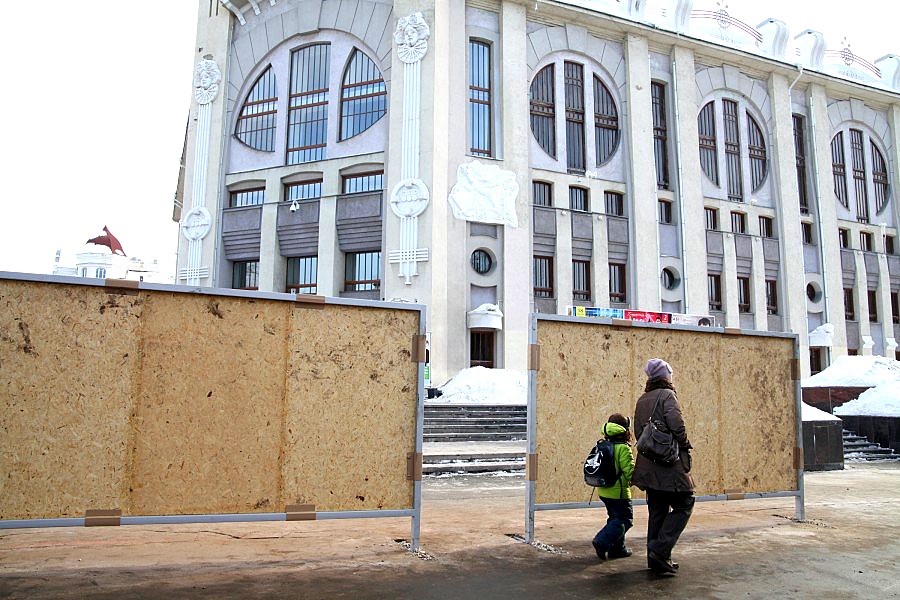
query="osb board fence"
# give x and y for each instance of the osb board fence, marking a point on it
(736, 393)
(158, 402)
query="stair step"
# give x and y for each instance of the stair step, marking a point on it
(476, 421)
(474, 428)
(474, 456)
(473, 437)
(474, 467)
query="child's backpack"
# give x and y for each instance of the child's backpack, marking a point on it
(600, 465)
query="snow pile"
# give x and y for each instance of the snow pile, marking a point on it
(479, 385)
(811, 413)
(856, 371)
(881, 401)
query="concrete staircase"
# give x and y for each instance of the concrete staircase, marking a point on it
(474, 423)
(473, 439)
(859, 449)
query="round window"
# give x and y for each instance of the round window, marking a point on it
(813, 292)
(670, 278)
(482, 261)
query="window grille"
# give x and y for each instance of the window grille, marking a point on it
(363, 95)
(660, 134)
(541, 193)
(301, 276)
(706, 123)
(245, 275)
(714, 291)
(362, 271)
(256, 123)
(733, 151)
(738, 222)
(880, 179)
(543, 276)
(665, 212)
(756, 148)
(844, 237)
(712, 219)
(543, 110)
(363, 182)
(574, 87)
(859, 175)
(743, 294)
(480, 128)
(581, 280)
(308, 104)
(839, 168)
(800, 153)
(771, 297)
(252, 197)
(606, 122)
(578, 199)
(617, 283)
(309, 190)
(766, 227)
(615, 204)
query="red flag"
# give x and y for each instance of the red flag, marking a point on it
(108, 240)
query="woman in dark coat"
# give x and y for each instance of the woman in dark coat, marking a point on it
(669, 488)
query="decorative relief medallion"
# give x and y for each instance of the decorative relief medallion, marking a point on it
(206, 81)
(196, 223)
(409, 198)
(411, 37)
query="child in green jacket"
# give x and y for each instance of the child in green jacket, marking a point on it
(609, 543)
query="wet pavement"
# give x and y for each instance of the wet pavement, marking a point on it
(848, 548)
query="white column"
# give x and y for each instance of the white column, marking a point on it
(862, 300)
(758, 287)
(729, 282)
(600, 263)
(271, 263)
(563, 260)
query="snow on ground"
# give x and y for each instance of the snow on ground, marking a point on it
(811, 413)
(479, 385)
(881, 401)
(856, 371)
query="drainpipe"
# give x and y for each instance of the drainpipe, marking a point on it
(679, 193)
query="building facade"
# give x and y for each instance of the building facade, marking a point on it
(490, 158)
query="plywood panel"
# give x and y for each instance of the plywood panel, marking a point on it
(735, 392)
(208, 419)
(68, 355)
(351, 408)
(585, 376)
(759, 414)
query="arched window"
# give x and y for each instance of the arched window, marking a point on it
(308, 107)
(543, 110)
(606, 122)
(256, 123)
(738, 157)
(363, 95)
(860, 190)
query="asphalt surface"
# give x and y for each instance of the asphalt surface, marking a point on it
(848, 547)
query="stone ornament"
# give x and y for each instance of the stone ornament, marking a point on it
(196, 223)
(206, 81)
(411, 37)
(485, 194)
(409, 198)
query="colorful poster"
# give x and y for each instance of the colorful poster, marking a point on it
(696, 320)
(647, 316)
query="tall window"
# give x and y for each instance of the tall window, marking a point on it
(543, 276)
(766, 227)
(865, 241)
(100, 273)
(363, 95)
(301, 275)
(480, 98)
(362, 271)
(245, 275)
(880, 178)
(714, 291)
(660, 134)
(873, 306)
(252, 197)
(543, 110)
(859, 175)
(849, 308)
(807, 230)
(743, 294)
(888, 244)
(578, 199)
(574, 86)
(308, 105)
(800, 153)
(895, 307)
(617, 285)
(839, 168)
(256, 123)
(481, 348)
(581, 280)
(541, 193)
(712, 219)
(606, 122)
(706, 124)
(738, 222)
(733, 151)
(363, 182)
(615, 204)
(771, 296)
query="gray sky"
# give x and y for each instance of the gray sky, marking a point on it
(97, 97)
